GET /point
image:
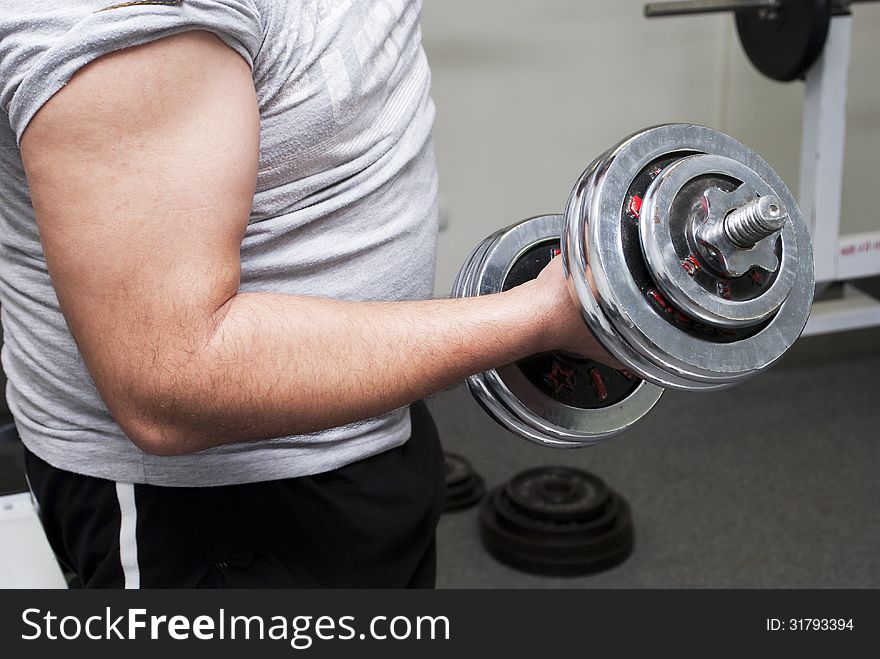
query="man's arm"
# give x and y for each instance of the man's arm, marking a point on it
(142, 173)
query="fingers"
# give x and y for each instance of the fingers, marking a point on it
(571, 332)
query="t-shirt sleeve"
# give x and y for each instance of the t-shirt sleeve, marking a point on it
(56, 45)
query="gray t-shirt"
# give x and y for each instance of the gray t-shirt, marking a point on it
(345, 205)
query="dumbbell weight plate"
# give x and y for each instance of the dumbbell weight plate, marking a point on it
(552, 399)
(515, 520)
(667, 243)
(558, 494)
(624, 312)
(463, 279)
(557, 521)
(569, 544)
(458, 470)
(480, 389)
(534, 562)
(464, 486)
(596, 313)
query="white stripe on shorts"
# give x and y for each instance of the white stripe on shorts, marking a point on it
(128, 535)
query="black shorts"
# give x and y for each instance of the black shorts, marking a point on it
(368, 524)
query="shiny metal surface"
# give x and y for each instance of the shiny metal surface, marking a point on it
(580, 427)
(579, 275)
(603, 315)
(656, 235)
(722, 239)
(618, 311)
(505, 393)
(755, 221)
(722, 175)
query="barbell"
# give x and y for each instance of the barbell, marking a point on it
(781, 38)
(692, 266)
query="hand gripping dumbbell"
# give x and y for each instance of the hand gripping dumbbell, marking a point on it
(703, 275)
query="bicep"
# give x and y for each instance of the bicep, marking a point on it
(142, 173)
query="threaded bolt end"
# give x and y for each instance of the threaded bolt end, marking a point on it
(754, 221)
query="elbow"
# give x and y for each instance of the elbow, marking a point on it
(158, 437)
(158, 398)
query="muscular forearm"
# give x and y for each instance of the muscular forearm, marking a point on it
(274, 365)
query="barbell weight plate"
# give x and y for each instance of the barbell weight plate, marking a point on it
(536, 563)
(458, 470)
(676, 201)
(783, 43)
(558, 494)
(628, 313)
(557, 521)
(513, 519)
(554, 543)
(562, 400)
(464, 486)
(465, 496)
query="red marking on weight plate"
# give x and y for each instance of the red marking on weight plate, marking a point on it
(690, 265)
(659, 301)
(654, 173)
(635, 205)
(555, 252)
(560, 377)
(598, 384)
(724, 289)
(757, 278)
(704, 203)
(681, 319)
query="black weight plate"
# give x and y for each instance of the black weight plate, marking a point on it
(561, 557)
(566, 378)
(464, 487)
(465, 495)
(785, 46)
(515, 521)
(562, 568)
(575, 381)
(558, 545)
(529, 265)
(560, 494)
(457, 468)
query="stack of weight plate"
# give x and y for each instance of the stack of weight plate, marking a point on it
(553, 399)
(557, 521)
(464, 486)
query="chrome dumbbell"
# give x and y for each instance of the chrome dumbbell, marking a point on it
(703, 276)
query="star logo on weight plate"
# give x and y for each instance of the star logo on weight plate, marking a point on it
(560, 378)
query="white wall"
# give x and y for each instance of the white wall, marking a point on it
(528, 92)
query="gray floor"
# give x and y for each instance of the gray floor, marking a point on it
(775, 483)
